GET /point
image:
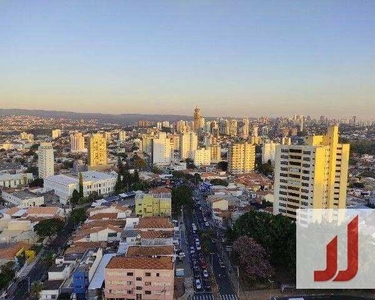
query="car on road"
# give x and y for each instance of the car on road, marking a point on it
(181, 254)
(205, 273)
(197, 274)
(198, 284)
(221, 264)
(203, 264)
(206, 284)
(198, 246)
(207, 224)
(192, 250)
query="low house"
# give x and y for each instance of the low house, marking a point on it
(11, 252)
(106, 233)
(22, 198)
(51, 290)
(18, 230)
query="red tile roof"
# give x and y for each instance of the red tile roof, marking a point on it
(145, 263)
(135, 251)
(156, 234)
(154, 222)
(9, 251)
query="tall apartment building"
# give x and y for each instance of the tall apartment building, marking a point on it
(202, 157)
(122, 135)
(255, 131)
(77, 142)
(241, 158)
(269, 152)
(26, 136)
(56, 133)
(313, 175)
(197, 119)
(97, 150)
(46, 165)
(188, 144)
(182, 126)
(233, 127)
(147, 143)
(245, 129)
(161, 149)
(215, 153)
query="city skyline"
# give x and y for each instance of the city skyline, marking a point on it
(232, 59)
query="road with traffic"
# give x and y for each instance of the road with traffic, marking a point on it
(198, 222)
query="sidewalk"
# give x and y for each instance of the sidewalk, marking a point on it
(189, 289)
(28, 268)
(231, 271)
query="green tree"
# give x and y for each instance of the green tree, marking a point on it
(7, 274)
(139, 163)
(119, 185)
(276, 234)
(219, 181)
(126, 180)
(222, 165)
(197, 178)
(181, 196)
(75, 197)
(135, 177)
(35, 289)
(266, 168)
(78, 215)
(156, 170)
(80, 185)
(120, 166)
(38, 182)
(140, 186)
(48, 227)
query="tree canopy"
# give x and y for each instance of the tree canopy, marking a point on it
(48, 227)
(181, 196)
(222, 165)
(276, 234)
(218, 181)
(253, 260)
(37, 183)
(7, 274)
(75, 197)
(78, 215)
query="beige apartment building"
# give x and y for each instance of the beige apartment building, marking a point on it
(241, 158)
(313, 175)
(139, 278)
(97, 150)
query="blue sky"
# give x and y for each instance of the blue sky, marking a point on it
(238, 58)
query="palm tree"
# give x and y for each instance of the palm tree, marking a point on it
(35, 289)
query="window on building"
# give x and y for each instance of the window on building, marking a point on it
(148, 292)
(138, 278)
(148, 274)
(129, 274)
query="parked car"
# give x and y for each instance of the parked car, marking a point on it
(197, 275)
(198, 284)
(206, 284)
(205, 273)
